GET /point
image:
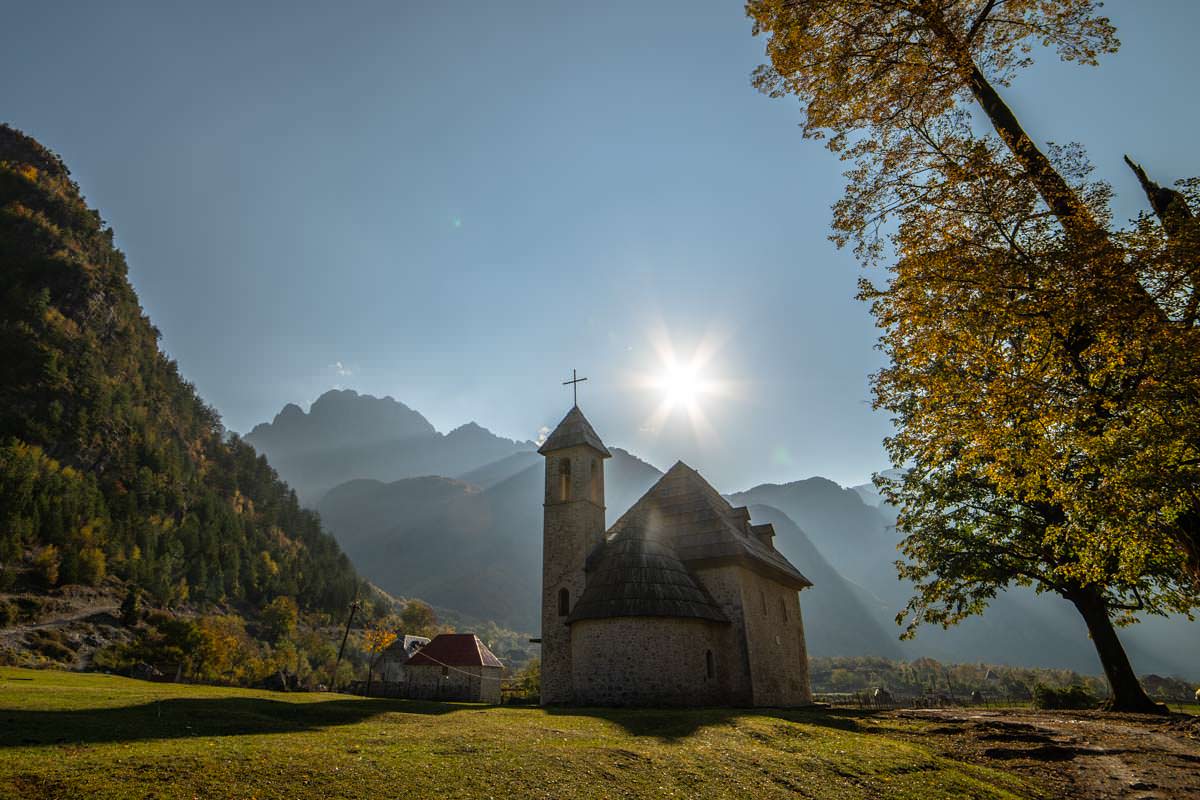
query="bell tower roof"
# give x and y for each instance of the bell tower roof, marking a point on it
(574, 430)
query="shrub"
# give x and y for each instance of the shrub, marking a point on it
(91, 566)
(1071, 697)
(279, 618)
(30, 607)
(8, 614)
(131, 607)
(46, 561)
(52, 644)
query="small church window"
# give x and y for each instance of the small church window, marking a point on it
(709, 668)
(445, 672)
(763, 597)
(564, 479)
(564, 602)
(783, 608)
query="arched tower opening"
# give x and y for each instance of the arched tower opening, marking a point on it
(564, 480)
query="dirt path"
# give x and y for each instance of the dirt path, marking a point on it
(85, 621)
(1080, 753)
(58, 620)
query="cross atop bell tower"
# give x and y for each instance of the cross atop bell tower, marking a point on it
(574, 384)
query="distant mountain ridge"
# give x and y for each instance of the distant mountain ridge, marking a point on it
(346, 436)
(455, 544)
(851, 534)
(339, 418)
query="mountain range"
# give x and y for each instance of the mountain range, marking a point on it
(460, 526)
(346, 436)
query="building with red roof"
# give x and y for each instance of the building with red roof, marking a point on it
(454, 666)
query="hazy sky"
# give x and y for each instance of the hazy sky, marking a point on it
(456, 203)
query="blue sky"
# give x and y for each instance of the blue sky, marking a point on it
(457, 203)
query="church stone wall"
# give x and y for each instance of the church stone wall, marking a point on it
(573, 522)
(769, 644)
(650, 661)
(775, 642)
(724, 584)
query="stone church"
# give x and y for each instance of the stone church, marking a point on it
(681, 602)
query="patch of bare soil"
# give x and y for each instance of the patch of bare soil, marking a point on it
(81, 619)
(1083, 754)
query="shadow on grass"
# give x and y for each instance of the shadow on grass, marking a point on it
(679, 723)
(179, 718)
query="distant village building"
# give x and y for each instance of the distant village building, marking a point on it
(454, 666)
(681, 602)
(390, 668)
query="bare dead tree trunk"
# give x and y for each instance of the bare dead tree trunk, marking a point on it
(1170, 206)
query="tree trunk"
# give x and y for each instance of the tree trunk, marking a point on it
(1127, 692)
(1075, 217)
(1077, 220)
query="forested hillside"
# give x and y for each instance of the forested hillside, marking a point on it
(110, 463)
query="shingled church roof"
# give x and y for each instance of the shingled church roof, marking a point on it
(574, 429)
(634, 575)
(642, 566)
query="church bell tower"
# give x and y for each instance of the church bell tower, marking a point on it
(573, 523)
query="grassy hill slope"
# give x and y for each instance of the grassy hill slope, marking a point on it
(68, 735)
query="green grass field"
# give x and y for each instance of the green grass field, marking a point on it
(71, 735)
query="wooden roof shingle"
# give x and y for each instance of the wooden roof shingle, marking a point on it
(574, 430)
(642, 566)
(633, 575)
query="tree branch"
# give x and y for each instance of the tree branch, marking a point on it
(978, 23)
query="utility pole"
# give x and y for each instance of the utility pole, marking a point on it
(333, 678)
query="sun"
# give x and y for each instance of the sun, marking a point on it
(681, 386)
(684, 383)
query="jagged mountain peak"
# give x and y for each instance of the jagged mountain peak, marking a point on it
(473, 430)
(290, 411)
(347, 435)
(815, 483)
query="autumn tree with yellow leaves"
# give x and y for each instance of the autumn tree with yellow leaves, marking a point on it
(376, 640)
(1045, 364)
